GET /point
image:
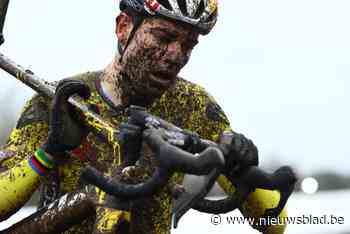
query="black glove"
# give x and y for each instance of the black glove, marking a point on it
(130, 140)
(65, 131)
(239, 151)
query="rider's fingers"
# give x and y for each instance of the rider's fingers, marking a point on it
(129, 127)
(154, 139)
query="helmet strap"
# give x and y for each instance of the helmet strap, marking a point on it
(136, 24)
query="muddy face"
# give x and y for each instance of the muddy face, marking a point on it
(155, 56)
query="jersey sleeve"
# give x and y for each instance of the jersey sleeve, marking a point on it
(209, 121)
(18, 180)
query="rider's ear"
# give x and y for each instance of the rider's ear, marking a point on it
(123, 27)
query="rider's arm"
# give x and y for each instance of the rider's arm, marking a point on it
(256, 204)
(20, 172)
(35, 146)
(18, 184)
(214, 121)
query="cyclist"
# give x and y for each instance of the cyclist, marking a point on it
(155, 41)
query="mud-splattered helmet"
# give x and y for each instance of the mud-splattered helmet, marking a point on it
(201, 14)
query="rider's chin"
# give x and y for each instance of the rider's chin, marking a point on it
(162, 79)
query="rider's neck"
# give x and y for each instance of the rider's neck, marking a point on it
(110, 83)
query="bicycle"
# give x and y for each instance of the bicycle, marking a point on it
(128, 188)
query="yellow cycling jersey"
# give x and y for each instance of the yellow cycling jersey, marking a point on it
(185, 104)
(16, 187)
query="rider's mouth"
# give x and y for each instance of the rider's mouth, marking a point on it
(162, 78)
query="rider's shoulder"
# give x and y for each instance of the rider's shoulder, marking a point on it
(187, 87)
(36, 108)
(200, 99)
(88, 78)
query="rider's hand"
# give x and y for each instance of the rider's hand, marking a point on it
(155, 138)
(65, 131)
(240, 152)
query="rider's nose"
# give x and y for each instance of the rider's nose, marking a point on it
(175, 54)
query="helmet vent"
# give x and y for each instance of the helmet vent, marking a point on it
(200, 10)
(192, 7)
(183, 7)
(166, 4)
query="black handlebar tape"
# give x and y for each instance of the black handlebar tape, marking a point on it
(176, 159)
(201, 164)
(122, 190)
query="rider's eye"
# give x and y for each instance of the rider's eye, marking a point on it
(166, 39)
(163, 36)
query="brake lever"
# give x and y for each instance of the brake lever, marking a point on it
(142, 118)
(187, 200)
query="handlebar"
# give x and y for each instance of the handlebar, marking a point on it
(170, 159)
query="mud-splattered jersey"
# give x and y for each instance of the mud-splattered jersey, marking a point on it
(186, 105)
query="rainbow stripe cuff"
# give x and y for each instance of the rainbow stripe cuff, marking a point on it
(35, 165)
(42, 157)
(41, 163)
